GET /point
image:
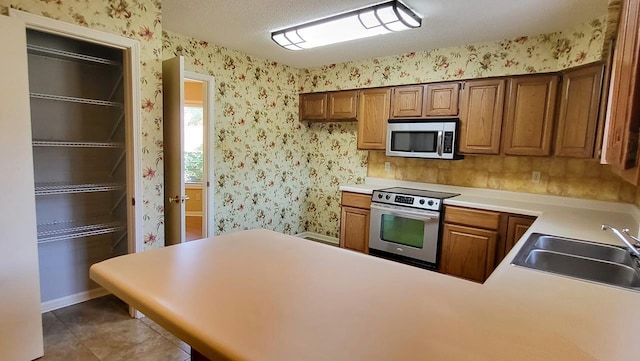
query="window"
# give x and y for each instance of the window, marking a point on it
(193, 144)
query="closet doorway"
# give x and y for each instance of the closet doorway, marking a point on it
(188, 129)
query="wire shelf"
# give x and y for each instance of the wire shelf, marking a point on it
(52, 232)
(37, 49)
(65, 144)
(75, 100)
(43, 189)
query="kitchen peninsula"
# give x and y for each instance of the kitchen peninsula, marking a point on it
(261, 295)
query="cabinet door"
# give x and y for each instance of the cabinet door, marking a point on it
(313, 106)
(621, 140)
(578, 117)
(467, 252)
(373, 110)
(343, 105)
(481, 105)
(529, 118)
(406, 101)
(516, 228)
(441, 100)
(354, 229)
(21, 326)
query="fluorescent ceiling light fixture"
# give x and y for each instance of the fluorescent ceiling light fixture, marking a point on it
(382, 18)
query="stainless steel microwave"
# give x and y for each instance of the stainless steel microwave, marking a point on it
(437, 139)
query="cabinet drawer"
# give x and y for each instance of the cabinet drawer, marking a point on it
(472, 217)
(357, 200)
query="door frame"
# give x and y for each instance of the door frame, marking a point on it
(208, 82)
(131, 50)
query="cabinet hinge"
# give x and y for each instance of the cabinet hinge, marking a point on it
(133, 201)
(207, 183)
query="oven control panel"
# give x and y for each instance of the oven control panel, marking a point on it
(406, 200)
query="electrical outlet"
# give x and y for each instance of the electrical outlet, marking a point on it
(535, 176)
(387, 167)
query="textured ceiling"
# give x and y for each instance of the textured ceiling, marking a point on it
(245, 25)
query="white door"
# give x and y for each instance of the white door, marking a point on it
(21, 325)
(174, 193)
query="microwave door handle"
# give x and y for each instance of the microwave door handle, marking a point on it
(440, 143)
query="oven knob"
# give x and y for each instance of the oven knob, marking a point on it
(421, 201)
(379, 196)
(430, 202)
(387, 197)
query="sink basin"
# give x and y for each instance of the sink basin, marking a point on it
(580, 259)
(577, 247)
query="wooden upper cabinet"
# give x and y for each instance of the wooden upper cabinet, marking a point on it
(406, 101)
(343, 105)
(578, 116)
(481, 106)
(373, 110)
(441, 100)
(621, 140)
(331, 106)
(313, 106)
(530, 110)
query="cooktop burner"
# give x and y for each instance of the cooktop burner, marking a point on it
(409, 197)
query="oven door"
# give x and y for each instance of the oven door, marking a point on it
(405, 232)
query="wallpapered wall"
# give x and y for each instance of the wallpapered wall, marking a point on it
(140, 20)
(260, 155)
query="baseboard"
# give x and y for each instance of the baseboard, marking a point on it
(319, 236)
(73, 299)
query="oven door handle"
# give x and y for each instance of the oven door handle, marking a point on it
(415, 215)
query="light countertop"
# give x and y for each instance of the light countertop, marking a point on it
(261, 295)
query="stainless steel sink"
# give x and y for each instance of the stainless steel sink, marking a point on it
(584, 260)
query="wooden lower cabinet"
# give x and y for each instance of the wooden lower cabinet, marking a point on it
(468, 252)
(517, 226)
(475, 241)
(354, 221)
(354, 229)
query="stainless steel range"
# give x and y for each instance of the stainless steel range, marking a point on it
(405, 225)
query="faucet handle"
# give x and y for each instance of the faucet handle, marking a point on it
(626, 233)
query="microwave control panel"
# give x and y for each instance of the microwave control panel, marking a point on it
(448, 143)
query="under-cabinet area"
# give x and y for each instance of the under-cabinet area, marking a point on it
(79, 131)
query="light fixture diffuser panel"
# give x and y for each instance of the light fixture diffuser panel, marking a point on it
(379, 19)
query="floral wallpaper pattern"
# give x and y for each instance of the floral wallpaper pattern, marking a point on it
(260, 155)
(333, 161)
(140, 20)
(526, 54)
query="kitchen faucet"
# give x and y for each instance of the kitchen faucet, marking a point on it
(630, 241)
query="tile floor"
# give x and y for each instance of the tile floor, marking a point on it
(101, 329)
